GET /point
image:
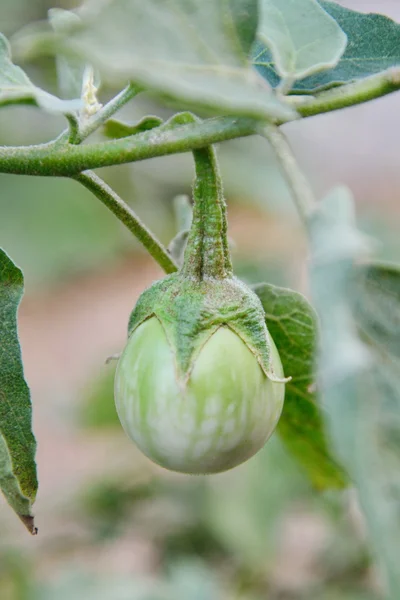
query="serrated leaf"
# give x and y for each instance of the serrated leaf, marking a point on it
(291, 320)
(190, 51)
(359, 371)
(18, 479)
(303, 38)
(373, 46)
(113, 128)
(17, 88)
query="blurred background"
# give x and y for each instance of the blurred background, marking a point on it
(113, 526)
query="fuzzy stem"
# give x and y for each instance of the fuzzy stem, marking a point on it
(127, 216)
(351, 94)
(60, 159)
(106, 112)
(301, 189)
(207, 254)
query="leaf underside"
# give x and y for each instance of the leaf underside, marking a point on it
(190, 51)
(359, 370)
(17, 88)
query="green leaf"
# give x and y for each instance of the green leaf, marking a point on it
(183, 212)
(97, 409)
(373, 46)
(177, 246)
(376, 304)
(359, 370)
(183, 216)
(303, 38)
(190, 51)
(18, 479)
(17, 88)
(70, 71)
(292, 323)
(116, 129)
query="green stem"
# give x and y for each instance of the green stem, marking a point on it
(72, 133)
(106, 112)
(61, 159)
(351, 94)
(127, 216)
(205, 254)
(301, 189)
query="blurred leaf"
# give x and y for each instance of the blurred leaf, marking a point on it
(302, 37)
(376, 298)
(177, 246)
(17, 88)
(193, 579)
(193, 52)
(245, 506)
(69, 70)
(361, 381)
(183, 212)
(18, 479)
(117, 129)
(77, 584)
(16, 574)
(183, 216)
(109, 504)
(55, 228)
(337, 592)
(373, 46)
(98, 409)
(292, 323)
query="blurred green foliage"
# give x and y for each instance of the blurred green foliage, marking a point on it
(220, 537)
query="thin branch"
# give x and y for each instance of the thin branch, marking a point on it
(127, 216)
(301, 190)
(58, 158)
(72, 133)
(351, 94)
(107, 111)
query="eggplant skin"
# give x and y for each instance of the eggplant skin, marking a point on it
(215, 420)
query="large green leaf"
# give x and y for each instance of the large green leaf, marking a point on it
(373, 46)
(359, 370)
(17, 88)
(292, 323)
(303, 38)
(194, 52)
(18, 479)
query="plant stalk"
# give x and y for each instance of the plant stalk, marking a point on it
(301, 189)
(60, 159)
(207, 255)
(128, 217)
(106, 112)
